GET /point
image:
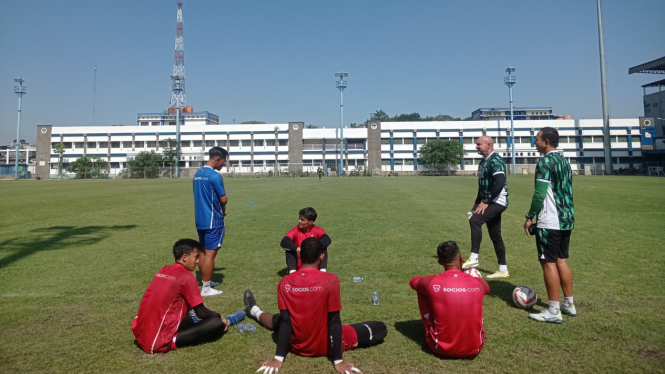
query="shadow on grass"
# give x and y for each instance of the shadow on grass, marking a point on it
(283, 272)
(217, 275)
(503, 290)
(415, 331)
(56, 237)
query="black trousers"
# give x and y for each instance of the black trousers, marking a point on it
(292, 260)
(492, 218)
(369, 333)
(190, 333)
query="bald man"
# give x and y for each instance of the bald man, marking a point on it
(491, 201)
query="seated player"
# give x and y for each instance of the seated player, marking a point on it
(165, 304)
(451, 306)
(308, 321)
(305, 229)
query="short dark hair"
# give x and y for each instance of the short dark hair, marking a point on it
(185, 247)
(447, 251)
(308, 213)
(310, 249)
(550, 134)
(218, 152)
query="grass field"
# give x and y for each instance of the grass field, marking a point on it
(76, 257)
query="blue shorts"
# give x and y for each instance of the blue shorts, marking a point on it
(211, 238)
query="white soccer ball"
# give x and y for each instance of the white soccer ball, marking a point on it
(474, 273)
(524, 297)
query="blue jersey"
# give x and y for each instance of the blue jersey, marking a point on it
(208, 187)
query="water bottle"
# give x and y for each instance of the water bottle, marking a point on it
(236, 317)
(375, 298)
(358, 279)
(241, 327)
(246, 327)
(193, 316)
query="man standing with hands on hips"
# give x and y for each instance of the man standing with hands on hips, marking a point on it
(210, 208)
(491, 201)
(553, 204)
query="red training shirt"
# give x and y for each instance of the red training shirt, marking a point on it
(297, 236)
(455, 328)
(171, 293)
(308, 295)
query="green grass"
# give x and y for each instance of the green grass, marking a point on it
(76, 257)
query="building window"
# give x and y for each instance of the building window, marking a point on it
(246, 163)
(283, 162)
(246, 143)
(258, 163)
(270, 163)
(185, 144)
(468, 161)
(139, 144)
(78, 145)
(210, 143)
(115, 144)
(91, 144)
(636, 139)
(258, 142)
(623, 139)
(306, 162)
(155, 123)
(283, 142)
(385, 140)
(597, 139)
(171, 123)
(270, 142)
(198, 143)
(573, 160)
(476, 161)
(587, 139)
(103, 144)
(467, 140)
(385, 161)
(145, 123)
(531, 160)
(151, 144)
(233, 143)
(126, 144)
(115, 165)
(399, 161)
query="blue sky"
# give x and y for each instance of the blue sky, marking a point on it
(274, 61)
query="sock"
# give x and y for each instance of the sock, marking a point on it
(206, 285)
(323, 270)
(554, 307)
(474, 256)
(255, 312)
(568, 301)
(503, 268)
(291, 271)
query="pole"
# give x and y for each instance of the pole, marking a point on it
(94, 95)
(512, 127)
(603, 86)
(18, 141)
(341, 132)
(177, 137)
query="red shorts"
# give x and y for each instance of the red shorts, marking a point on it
(349, 338)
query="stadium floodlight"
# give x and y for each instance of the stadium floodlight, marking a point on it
(341, 85)
(177, 88)
(19, 90)
(510, 81)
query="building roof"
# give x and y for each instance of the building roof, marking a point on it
(654, 67)
(655, 84)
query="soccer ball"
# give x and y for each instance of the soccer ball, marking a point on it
(524, 297)
(474, 273)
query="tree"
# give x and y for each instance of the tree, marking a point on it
(146, 165)
(88, 167)
(253, 123)
(59, 149)
(441, 155)
(310, 126)
(379, 115)
(171, 151)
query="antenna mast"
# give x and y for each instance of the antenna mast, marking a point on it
(178, 98)
(94, 94)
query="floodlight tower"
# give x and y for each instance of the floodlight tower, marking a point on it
(510, 81)
(603, 87)
(179, 98)
(341, 85)
(177, 88)
(19, 90)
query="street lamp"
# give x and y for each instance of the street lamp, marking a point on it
(176, 89)
(19, 91)
(341, 85)
(510, 81)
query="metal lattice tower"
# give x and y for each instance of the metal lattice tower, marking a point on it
(178, 98)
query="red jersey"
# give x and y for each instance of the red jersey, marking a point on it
(308, 295)
(171, 293)
(453, 318)
(297, 236)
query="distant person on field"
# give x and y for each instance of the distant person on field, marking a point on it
(161, 323)
(210, 209)
(553, 204)
(305, 229)
(319, 172)
(308, 322)
(491, 202)
(451, 306)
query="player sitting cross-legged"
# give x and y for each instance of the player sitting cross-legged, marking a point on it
(308, 321)
(305, 229)
(451, 306)
(173, 291)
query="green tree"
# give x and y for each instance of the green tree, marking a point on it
(310, 126)
(253, 123)
(379, 115)
(146, 165)
(441, 155)
(88, 167)
(171, 151)
(59, 149)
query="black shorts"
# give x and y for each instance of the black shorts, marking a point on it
(552, 244)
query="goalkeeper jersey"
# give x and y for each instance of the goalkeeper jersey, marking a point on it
(488, 168)
(557, 212)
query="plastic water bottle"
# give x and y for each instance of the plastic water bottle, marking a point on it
(246, 327)
(358, 279)
(375, 298)
(236, 317)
